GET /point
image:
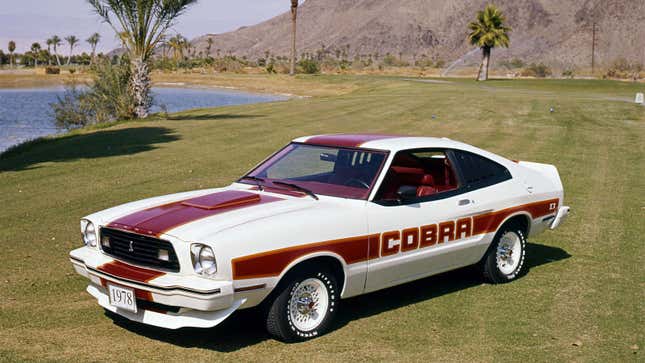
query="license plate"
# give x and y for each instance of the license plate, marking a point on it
(122, 298)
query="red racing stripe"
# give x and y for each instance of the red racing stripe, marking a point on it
(347, 140)
(353, 250)
(362, 248)
(490, 222)
(156, 221)
(129, 272)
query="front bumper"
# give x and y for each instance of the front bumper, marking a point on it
(202, 303)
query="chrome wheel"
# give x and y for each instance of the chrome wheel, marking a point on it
(509, 253)
(308, 304)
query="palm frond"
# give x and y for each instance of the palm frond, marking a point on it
(489, 31)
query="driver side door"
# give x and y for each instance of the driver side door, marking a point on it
(425, 233)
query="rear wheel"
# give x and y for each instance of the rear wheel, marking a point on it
(304, 307)
(504, 261)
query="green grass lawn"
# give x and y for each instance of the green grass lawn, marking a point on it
(583, 298)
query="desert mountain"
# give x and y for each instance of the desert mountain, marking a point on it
(558, 32)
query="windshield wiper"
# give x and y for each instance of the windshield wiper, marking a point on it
(259, 181)
(298, 187)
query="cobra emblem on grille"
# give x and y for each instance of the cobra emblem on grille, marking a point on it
(131, 249)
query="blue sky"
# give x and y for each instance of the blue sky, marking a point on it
(28, 21)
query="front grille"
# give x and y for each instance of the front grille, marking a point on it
(138, 249)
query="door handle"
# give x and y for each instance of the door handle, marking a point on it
(465, 202)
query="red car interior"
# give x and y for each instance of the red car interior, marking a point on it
(428, 175)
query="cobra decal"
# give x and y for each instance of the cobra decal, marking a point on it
(374, 246)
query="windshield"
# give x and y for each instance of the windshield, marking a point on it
(332, 171)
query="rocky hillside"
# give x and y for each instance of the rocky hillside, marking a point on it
(558, 32)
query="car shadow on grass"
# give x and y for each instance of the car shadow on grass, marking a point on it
(246, 327)
(93, 145)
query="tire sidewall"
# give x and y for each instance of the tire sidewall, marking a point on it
(329, 282)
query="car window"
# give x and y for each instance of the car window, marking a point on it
(418, 175)
(303, 161)
(334, 171)
(478, 171)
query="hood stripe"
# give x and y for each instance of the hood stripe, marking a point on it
(158, 220)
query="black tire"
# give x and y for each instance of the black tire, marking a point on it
(279, 321)
(489, 265)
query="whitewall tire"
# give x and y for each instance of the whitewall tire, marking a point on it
(304, 307)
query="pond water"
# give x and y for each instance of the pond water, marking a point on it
(26, 114)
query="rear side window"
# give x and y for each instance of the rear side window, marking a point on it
(478, 171)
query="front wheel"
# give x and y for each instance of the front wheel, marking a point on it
(305, 306)
(504, 261)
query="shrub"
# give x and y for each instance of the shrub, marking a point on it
(72, 70)
(309, 66)
(622, 68)
(107, 98)
(539, 70)
(70, 112)
(271, 68)
(389, 60)
(514, 63)
(52, 70)
(568, 73)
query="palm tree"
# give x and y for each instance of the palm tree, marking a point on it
(11, 48)
(209, 46)
(49, 42)
(35, 49)
(488, 32)
(294, 28)
(93, 41)
(72, 40)
(178, 44)
(145, 22)
(56, 42)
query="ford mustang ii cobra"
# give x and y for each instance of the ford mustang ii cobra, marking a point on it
(325, 218)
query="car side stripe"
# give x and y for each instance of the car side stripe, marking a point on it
(363, 248)
(267, 264)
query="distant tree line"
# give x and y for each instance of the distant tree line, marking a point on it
(38, 55)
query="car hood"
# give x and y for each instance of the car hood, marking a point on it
(194, 216)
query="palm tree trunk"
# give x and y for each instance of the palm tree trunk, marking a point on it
(71, 49)
(57, 58)
(294, 28)
(483, 68)
(11, 60)
(140, 87)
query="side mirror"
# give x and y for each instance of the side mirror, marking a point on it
(328, 157)
(407, 193)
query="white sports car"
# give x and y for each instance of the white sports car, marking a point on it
(327, 217)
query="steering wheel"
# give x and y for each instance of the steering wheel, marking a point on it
(355, 181)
